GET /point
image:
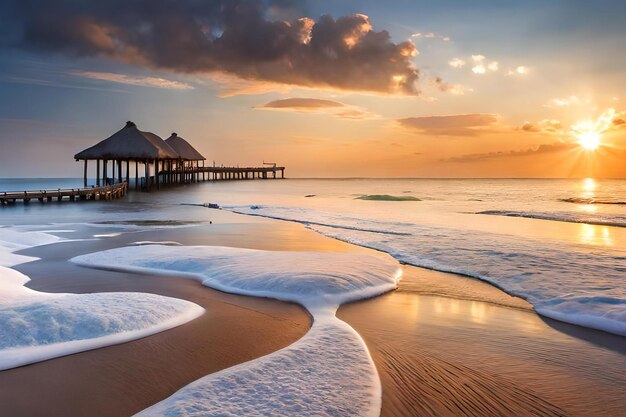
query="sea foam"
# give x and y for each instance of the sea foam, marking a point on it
(36, 326)
(327, 372)
(577, 284)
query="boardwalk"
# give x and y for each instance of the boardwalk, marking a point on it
(164, 163)
(108, 192)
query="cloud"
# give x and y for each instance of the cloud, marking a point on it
(455, 89)
(610, 119)
(452, 125)
(456, 63)
(224, 36)
(481, 66)
(543, 126)
(570, 101)
(520, 70)
(302, 104)
(431, 35)
(335, 108)
(541, 149)
(129, 79)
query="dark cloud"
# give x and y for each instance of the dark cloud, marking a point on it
(541, 149)
(452, 125)
(245, 38)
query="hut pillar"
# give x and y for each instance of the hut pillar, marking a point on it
(128, 171)
(104, 171)
(147, 168)
(85, 175)
(119, 171)
(156, 172)
(136, 175)
(97, 172)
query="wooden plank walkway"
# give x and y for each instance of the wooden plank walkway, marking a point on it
(108, 192)
(164, 177)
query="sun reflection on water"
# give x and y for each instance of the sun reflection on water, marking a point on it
(589, 185)
(595, 235)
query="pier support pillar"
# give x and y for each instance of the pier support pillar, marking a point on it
(85, 175)
(147, 169)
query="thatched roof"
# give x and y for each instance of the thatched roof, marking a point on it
(184, 149)
(129, 143)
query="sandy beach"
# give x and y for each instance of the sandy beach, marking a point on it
(474, 351)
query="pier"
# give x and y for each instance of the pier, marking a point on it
(108, 192)
(131, 156)
(160, 162)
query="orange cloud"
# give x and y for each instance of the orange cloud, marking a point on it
(541, 149)
(452, 125)
(335, 108)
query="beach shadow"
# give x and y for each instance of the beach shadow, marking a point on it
(598, 338)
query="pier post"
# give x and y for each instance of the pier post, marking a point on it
(128, 171)
(147, 166)
(119, 171)
(104, 171)
(136, 174)
(97, 172)
(156, 172)
(85, 175)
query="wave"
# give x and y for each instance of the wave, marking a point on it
(587, 200)
(36, 326)
(327, 372)
(545, 273)
(568, 217)
(252, 211)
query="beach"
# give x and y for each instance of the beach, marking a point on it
(442, 344)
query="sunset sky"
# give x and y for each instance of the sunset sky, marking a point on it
(346, 88)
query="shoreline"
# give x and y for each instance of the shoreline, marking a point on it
(291, 322)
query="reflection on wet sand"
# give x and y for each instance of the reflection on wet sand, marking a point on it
(443, 356)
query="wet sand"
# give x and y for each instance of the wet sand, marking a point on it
(443, 344)
(489, 355)
(123, 379)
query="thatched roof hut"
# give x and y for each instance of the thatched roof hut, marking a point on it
(129, 143)
(185, 151)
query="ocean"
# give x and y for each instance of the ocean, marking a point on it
(560, 244)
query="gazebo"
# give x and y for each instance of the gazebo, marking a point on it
(130, 145)
(188, 156)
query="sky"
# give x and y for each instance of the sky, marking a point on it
(349, 88)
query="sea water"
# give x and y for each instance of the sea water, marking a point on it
(560, 244)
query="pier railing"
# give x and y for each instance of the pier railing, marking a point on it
(107, 192)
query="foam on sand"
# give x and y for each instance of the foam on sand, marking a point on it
(36, 326)
(327, 372)
(574, 283)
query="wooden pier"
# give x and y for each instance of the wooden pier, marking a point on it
(108, 192)
(158, 162)
(121, 158)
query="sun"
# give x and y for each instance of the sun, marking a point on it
(589, 140)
